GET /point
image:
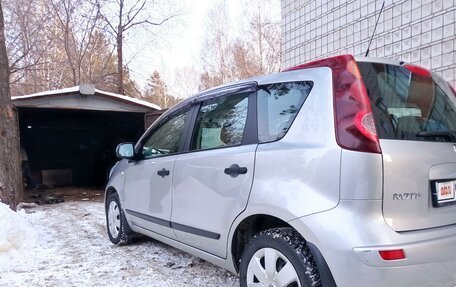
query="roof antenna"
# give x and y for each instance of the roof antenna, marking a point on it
(375, 28)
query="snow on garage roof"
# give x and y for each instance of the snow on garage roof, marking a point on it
(84, 90)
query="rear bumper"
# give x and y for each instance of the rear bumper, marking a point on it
(437, 250)
(424, 275)
(350, 236)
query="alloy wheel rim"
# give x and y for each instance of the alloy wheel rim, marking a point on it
(268, 267)
(114, 219)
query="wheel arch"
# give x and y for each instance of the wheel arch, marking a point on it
(326, 277)
(247, 228)
(256, 223)
(110, 190)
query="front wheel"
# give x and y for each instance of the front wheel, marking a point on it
(119, 231)
(278, 257)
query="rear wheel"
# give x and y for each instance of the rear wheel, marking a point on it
(278, 257)
(119, 231)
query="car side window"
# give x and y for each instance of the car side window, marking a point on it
(278, 105)
(220, 122)
(167, 138)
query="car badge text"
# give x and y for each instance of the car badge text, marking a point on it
(406, 196)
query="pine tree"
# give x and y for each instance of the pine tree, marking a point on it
(157, 92)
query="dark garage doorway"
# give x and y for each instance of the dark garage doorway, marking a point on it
(75, 147)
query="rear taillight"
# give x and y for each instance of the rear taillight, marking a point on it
(355, 126)
(365, 124)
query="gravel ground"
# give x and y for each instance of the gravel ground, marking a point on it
(74, 250)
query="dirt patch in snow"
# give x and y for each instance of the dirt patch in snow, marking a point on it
(65, 193)
(74, 250)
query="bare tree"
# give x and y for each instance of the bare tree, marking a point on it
(186, 82)
(10, 186)
(56, 44)
(214, 56)
(130, 87)
(26, 41)
(263, 30)
(131, 15)
(69, 19)
(230, 56)
(88, 54)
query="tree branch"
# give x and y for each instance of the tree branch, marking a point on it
(150, 23)
(131, 19)
(108, 23)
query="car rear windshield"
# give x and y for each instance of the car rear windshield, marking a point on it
(409, 106)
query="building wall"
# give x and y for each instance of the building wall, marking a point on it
(415, 31)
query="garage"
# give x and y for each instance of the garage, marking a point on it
(69, 136)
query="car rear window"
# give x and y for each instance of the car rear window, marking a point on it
(409, 106)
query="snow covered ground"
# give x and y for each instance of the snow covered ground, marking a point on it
(73, 250)
(17, 236)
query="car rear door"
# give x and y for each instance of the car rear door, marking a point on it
(212, 181)
(415, 116)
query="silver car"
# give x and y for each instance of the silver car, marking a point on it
(339, 172)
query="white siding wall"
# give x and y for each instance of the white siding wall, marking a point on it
(415, 31)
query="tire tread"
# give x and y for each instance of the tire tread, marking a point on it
(126, 234)
(298, 245)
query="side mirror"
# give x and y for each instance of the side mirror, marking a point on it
(125, 150)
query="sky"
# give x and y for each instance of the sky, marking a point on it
(180, 46)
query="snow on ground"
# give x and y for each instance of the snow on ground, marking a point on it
(17, 236)
(74, 250)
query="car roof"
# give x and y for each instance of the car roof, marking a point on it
(265, 79)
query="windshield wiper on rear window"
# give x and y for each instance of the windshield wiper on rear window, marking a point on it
(449, 134)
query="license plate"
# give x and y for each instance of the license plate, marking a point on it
(444, 193)
(445, 190)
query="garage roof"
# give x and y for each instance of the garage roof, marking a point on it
(84, 97)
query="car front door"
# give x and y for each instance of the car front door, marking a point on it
(212, 180)
(148, 181)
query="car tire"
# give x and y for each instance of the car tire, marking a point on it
(278, 257)
(119, 231)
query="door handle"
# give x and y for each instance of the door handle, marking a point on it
(163, 172)
(234, 170)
